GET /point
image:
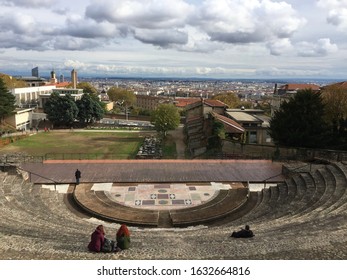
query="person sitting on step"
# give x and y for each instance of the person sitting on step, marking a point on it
(123, 237)
(99, 243)
(243, 233)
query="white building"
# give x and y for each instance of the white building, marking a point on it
(29, 96)
(21, 119)
(76, 94)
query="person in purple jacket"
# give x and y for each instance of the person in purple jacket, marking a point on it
(97, 239)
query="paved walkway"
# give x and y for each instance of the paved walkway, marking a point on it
(155, 171)
(178, 136)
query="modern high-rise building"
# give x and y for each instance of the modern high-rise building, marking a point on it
(35, 72)
(74, 78)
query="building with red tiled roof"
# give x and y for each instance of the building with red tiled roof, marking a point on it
(341, 85)
(294, 88)
(183, 102)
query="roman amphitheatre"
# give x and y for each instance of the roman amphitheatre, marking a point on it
(176, 208)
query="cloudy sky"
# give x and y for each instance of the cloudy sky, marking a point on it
(176, 38)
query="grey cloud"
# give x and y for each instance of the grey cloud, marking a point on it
(237, 37)
(162, 38)
(29, 3)
(74, 44)
(23, 42)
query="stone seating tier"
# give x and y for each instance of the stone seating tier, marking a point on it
(37, 223)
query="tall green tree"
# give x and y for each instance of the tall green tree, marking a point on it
(61, 110)
(7, 101)
(300, 122)
(166, 117)
(89, 109)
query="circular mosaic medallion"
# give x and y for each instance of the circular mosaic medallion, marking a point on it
(162, 202)
(162, 191)
(206, 194)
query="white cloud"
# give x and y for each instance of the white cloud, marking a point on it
(336, 12)
(249, 21)
(323, 47)
(151, 14)
(77, 26)
(280, 47)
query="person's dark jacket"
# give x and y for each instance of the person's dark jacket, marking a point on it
(243, 233)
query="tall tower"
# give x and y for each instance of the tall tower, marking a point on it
(53, 77)
(74, 78)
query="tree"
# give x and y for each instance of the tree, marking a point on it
(61, 110)
(89, 109)
(87, 88)
(165, 118)
(12, 82)
(122, 95)
(335, 101)
(229, 98)
(7, 101)
(299, 122)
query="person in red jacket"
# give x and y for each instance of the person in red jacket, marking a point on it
(97, 239)
(123, 237)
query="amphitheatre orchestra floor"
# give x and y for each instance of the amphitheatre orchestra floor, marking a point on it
(156, 184)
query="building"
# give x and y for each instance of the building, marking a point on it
(254, 122)
(53, 79)
(29, 96)
(76, 94)
(150, 103)
(35, 72)
(74, 79)
(33, 81)
(294, 88)
(21, 119)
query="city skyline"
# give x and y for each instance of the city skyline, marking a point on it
(249, 39)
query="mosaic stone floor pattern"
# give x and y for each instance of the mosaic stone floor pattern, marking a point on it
(162, 196)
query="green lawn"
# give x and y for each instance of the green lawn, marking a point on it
(120, 144)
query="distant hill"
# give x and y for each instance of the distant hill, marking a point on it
(12, 82)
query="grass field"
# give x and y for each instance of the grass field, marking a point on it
(120, 144)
